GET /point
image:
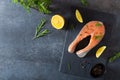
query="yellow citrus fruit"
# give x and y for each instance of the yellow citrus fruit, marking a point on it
(78, 16)
(100, 51)
(57, 21)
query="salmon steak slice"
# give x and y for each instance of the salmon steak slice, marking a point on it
(96, 31)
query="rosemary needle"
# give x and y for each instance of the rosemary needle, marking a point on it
(69, 66)
(113, 58)
(39, 32)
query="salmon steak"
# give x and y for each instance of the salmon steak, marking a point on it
(96, 31)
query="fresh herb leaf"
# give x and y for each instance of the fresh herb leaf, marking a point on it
(39, 27)
(43, 33)
(38, 32)
(43, 9)
(41, 5)
(42, 23)
(72, 26)
(98, 24)
(69, 66)
(84, 2)
(25, 4)
(113, 58)
(98, 37)
(15, 1)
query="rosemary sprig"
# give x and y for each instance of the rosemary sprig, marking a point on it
(84, 2)
(38, 32)
(39, 27)
(113, 58)
(69, 66)
(43, 33)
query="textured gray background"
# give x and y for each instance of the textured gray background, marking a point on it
(22, 58)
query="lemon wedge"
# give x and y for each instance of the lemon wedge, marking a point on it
(78, 16)
(100, 51)
(57, 21)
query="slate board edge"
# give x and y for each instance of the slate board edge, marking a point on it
(113, 15)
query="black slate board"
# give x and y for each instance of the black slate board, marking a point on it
(72, 60)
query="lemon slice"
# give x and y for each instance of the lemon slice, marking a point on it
(78, 16)
(57, 21)
(100, 51)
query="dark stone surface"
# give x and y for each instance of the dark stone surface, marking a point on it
(89, 60)
(22, 58)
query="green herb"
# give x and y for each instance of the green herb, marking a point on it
(42, 8)
(87, 26)
(98, 24)
(113, 58)
(72, 26)
(41, 5)
(98, 37)
(15, 1)
(39, 27)
(43, 33)
(80, 34)
(84, 2)
(69, 66)
(38, 32)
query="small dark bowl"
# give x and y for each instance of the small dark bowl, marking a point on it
(97, 70)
